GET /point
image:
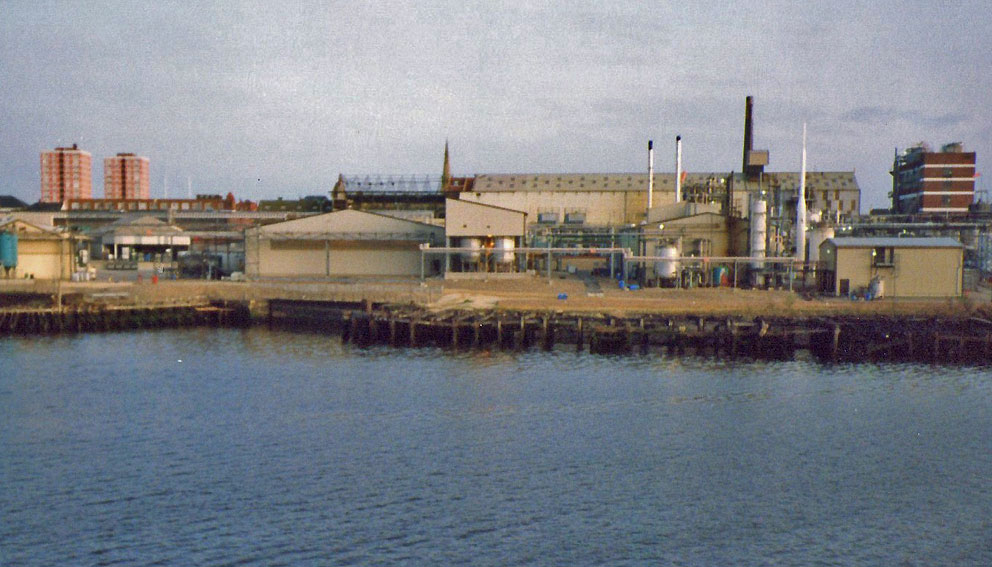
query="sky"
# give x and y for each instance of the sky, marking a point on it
(268, 99)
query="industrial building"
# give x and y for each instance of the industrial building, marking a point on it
(925, 181)
(142, 238)
(66, 173)
(125, 176)
(488, 234)
(891, 267)
(340, 244)
(34, 251)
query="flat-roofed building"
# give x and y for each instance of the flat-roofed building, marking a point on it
(900, 267)
(924, 181)
(66, 173)
(125, 176)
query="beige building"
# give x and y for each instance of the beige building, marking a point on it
(619, 199)
(900, 267)
(342, 243)
(43, 252)
(489, 234)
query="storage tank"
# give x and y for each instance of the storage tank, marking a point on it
(817, 235)
(504, 250)
(668, 266)
(8, 249)
(759, 213)
(472, 247)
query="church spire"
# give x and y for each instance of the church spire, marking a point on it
(446, 172)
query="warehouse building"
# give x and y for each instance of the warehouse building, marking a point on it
(340, 244)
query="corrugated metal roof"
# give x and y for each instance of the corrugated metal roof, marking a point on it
(589, 181)
(890, 242)
(815, 181)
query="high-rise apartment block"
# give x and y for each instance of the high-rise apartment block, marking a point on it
(125, 176)
(924, 181)
(66, 173)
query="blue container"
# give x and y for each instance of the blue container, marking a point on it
(719, 274)
(8, 250)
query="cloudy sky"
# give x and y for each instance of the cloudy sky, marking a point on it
(270, 99)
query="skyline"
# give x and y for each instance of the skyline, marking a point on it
(268, 99)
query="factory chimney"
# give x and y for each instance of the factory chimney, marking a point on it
(678, 169)
(650, 175)
(754, 160)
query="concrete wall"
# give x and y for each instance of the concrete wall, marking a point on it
(40, 259)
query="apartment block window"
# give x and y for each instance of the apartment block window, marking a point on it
(945, 200)
(883, 256)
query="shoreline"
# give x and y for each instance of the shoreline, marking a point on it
(718, 322)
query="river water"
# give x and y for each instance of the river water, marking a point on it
(259, 447)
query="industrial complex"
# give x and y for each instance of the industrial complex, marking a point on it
(746, 227)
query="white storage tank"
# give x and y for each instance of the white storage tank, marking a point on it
(504, 250)
(817, 236)
(473, 247)
(759, 214)
(668, 267)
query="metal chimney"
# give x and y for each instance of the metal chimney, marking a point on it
(650, 176)
(678, 169)
(748, 130)
(801, 206)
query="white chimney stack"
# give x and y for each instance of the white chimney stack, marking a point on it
(801, 206)
(650, 175)
(678, 169)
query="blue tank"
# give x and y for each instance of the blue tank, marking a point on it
(8, 250)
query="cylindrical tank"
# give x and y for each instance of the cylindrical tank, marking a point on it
(472, 247)
(759, 214)
(668, 266)
(8, 249)
(817, 235)
(876, 288)
(504, 250)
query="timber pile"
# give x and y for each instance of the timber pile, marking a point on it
(839, 339)
(100, 318)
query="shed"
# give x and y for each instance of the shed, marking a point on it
(341, 243)
(901, 267)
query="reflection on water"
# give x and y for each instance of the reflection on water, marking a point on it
(256, 447)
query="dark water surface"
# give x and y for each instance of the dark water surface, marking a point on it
(254, 447)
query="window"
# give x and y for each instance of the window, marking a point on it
(883, 256)
(945, 200)
(547, 218)
(575, 217)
